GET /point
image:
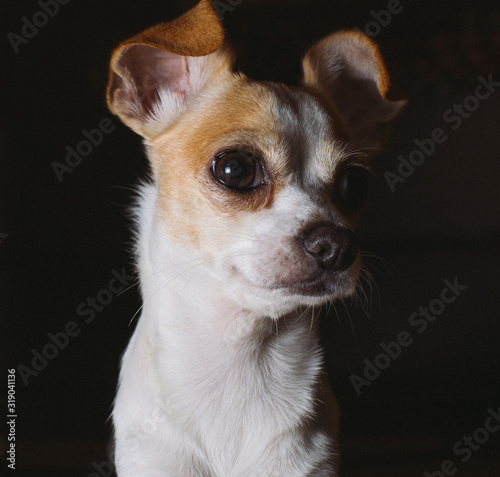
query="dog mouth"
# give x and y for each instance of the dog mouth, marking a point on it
(316, 288)
(328, 286)
(319, 264)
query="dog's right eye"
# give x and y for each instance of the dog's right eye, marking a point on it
(353, 187)
(237, 170)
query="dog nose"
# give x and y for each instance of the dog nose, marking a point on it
(333, 248)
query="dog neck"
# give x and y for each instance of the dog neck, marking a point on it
(207, 346)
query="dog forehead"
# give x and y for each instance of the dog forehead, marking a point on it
(315, 138)
(299, 138)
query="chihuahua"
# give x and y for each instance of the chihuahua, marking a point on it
(245, 227)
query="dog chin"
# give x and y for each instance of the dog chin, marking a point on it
(277, 299)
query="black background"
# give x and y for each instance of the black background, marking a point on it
(60, 240)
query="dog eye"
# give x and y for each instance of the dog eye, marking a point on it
(237, 170)
(353, 187)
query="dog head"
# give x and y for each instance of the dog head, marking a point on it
(261, 181)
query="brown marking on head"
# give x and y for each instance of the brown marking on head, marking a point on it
(239, 115)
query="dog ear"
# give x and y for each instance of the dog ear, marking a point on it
(153, 74)
(347, 67)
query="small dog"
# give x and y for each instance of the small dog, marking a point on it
(246, 226)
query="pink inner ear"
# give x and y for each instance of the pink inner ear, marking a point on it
(149, 70)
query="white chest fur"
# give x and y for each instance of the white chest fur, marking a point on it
(210, 389)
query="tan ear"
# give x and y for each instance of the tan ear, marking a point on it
(153, 74)
(348, 68)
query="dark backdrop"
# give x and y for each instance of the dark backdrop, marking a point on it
(63, 237)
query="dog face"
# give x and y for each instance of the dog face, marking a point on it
(261, 181)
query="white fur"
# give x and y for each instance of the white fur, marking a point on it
(209, 385)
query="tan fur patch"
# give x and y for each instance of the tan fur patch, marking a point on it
(232, 116)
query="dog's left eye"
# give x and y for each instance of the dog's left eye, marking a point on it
(353, 187)
(237, 170)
